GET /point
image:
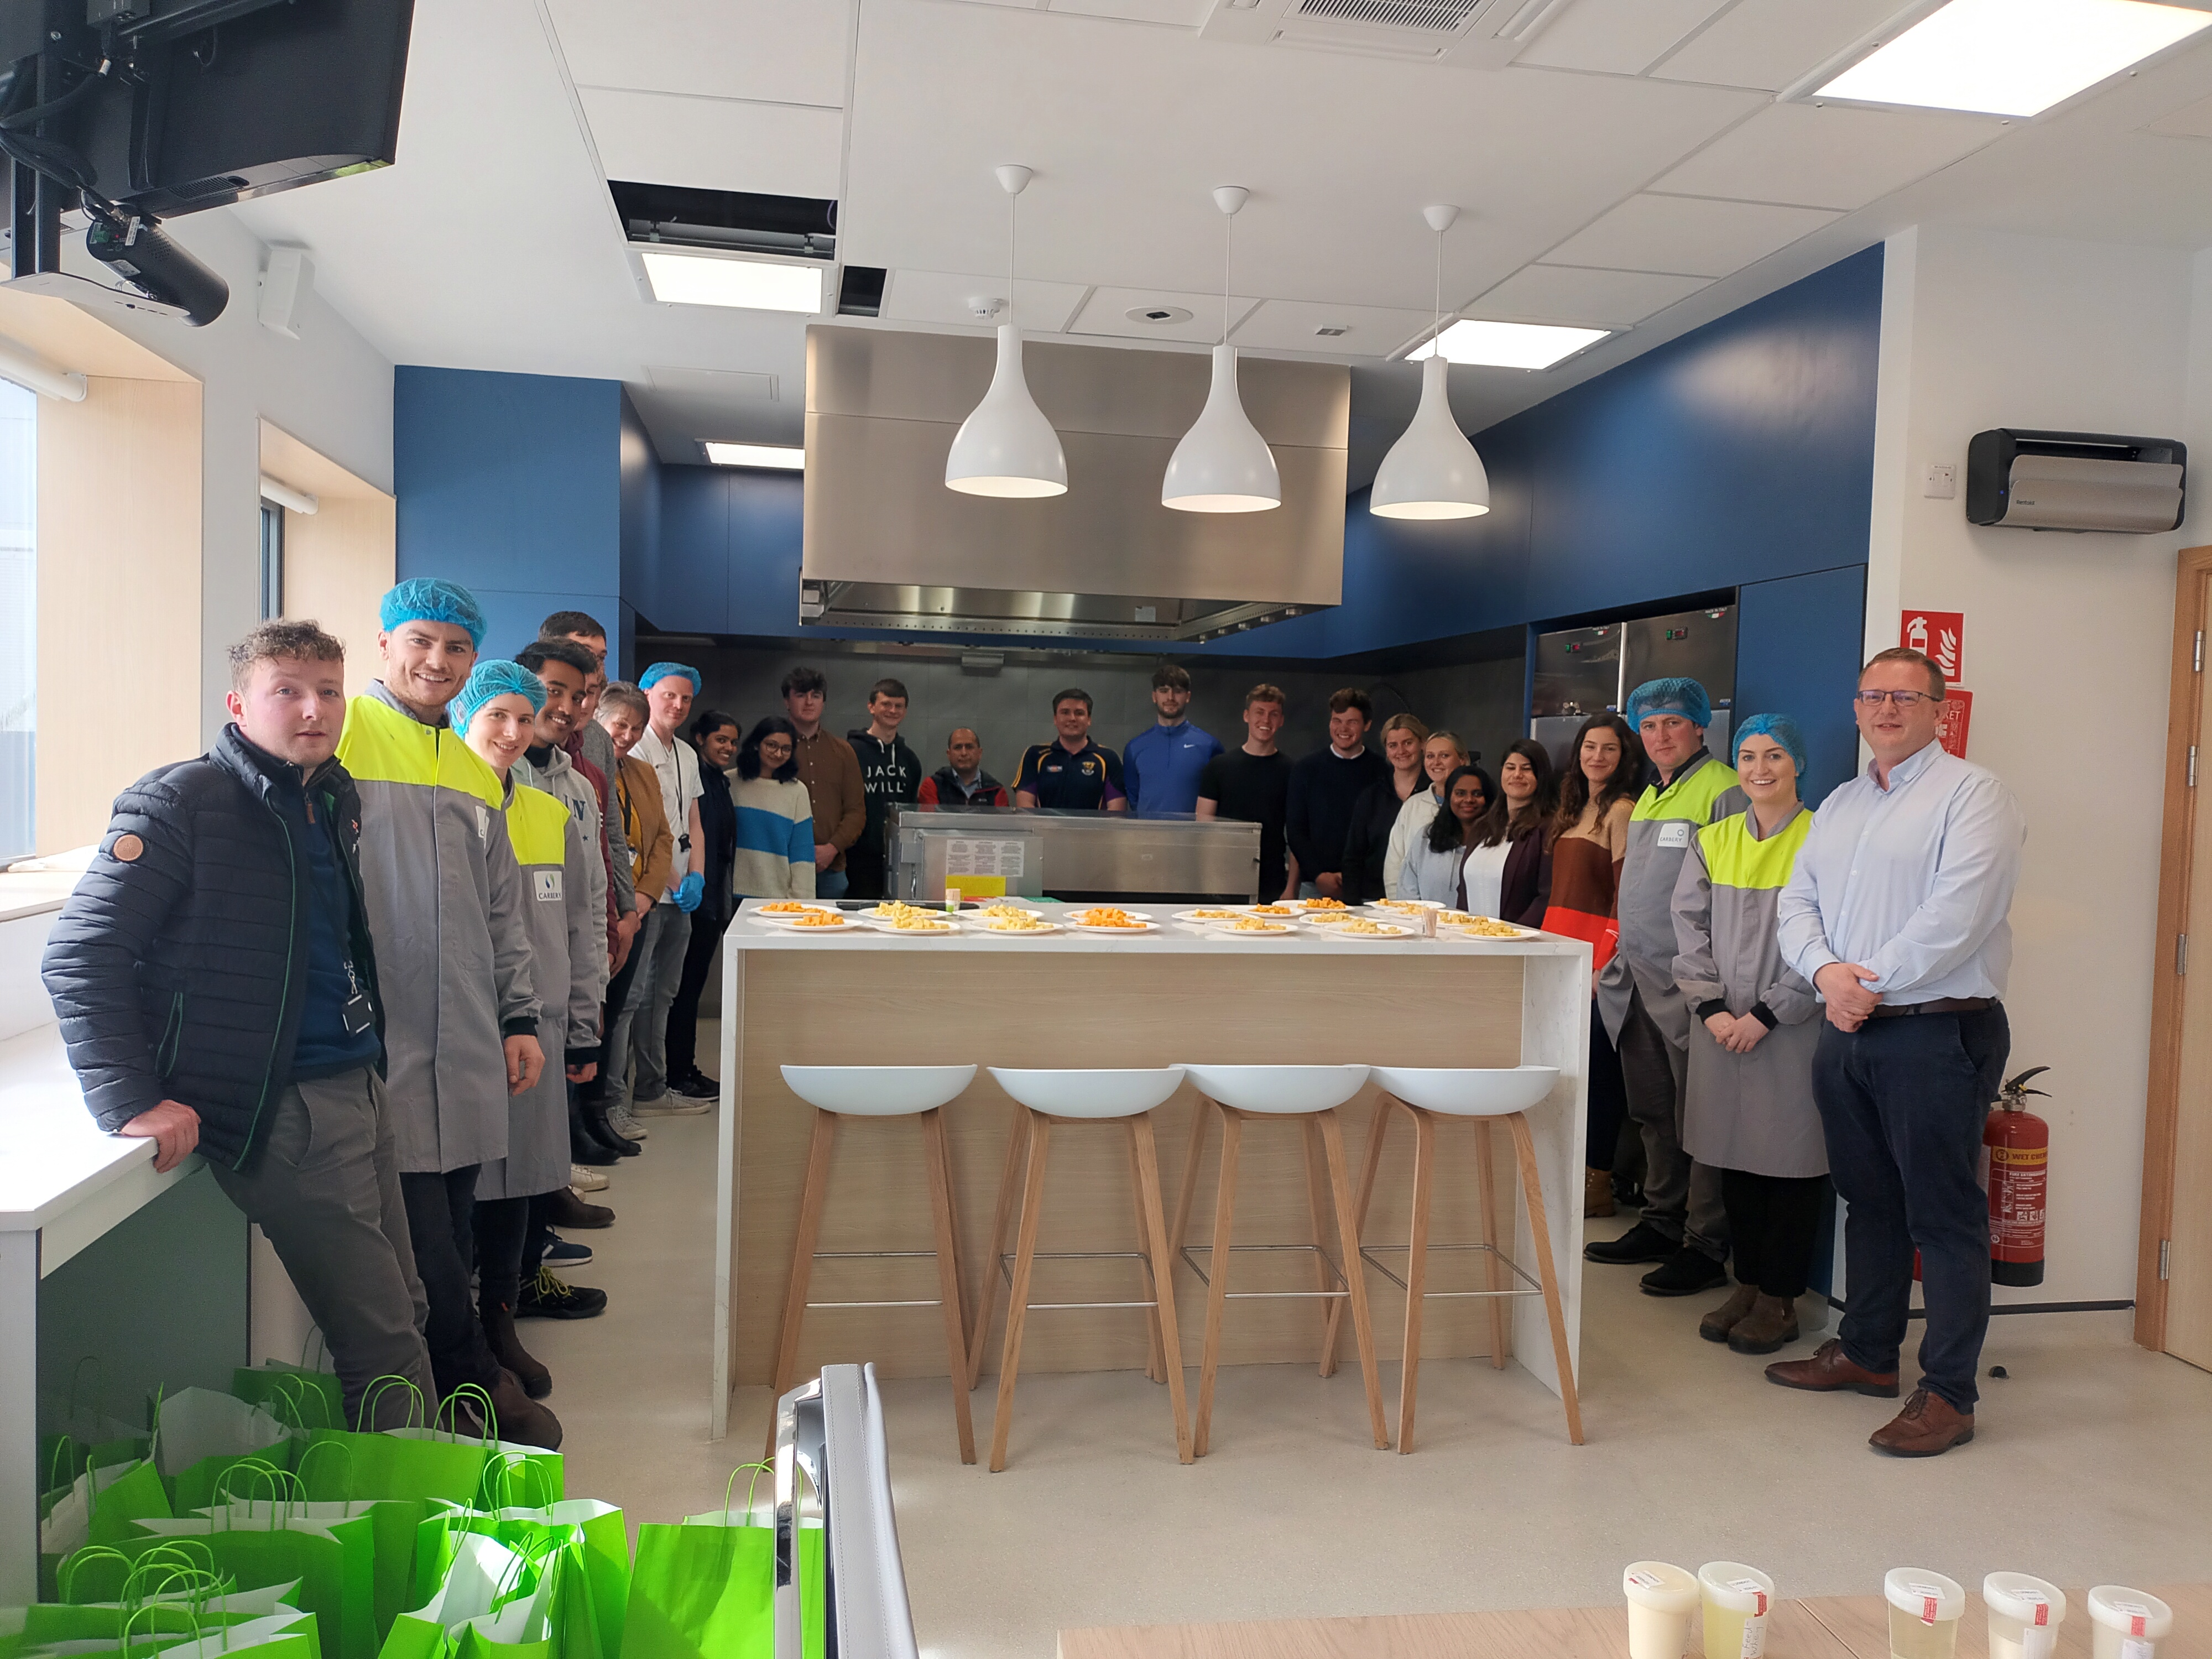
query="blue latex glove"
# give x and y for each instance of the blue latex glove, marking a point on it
(688, 892)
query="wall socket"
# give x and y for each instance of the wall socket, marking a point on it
(1939, 481)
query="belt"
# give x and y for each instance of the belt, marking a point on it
(1939, 1005)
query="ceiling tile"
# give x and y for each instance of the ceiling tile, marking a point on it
(938, 296)
(2189, 121)
(726, 385)
(1106, 313)
(1189, 14)
(1292, 325)
(1621, 37)
(1573, 294)
(773, 50)
(1768, 44)
(1687, 235)
(1828, 156)
(716, 144)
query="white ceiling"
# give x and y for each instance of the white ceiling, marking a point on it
(1633, 169)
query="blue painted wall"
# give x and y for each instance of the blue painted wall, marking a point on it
(1799, 643)
(512, 485)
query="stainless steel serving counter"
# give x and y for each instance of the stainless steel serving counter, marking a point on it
(1038, 852)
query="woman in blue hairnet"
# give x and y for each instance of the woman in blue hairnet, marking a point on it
(1749, 1110)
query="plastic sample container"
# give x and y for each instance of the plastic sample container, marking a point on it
(1736, 1599)
(1661, 1598)
(2025, 1615)
(2127, 1624)
(1924, 1610)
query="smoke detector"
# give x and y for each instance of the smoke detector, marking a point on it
(1157, 316)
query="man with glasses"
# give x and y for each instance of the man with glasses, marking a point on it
(1896, 915)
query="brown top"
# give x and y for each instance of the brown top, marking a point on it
(645, 823)
(831, 772)
(1586, 860)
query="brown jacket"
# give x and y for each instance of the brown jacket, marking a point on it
(831, 772)
(645, 825)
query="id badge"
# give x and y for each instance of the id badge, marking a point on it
(357, 1013)
(1676, 833)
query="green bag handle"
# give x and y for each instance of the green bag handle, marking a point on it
(312, 1340)
(486, 1410)
(154, 1432)
(192, 1626)
(521, 1576)
(64, 1441)
(752, 1486)
(343, 1449)
(65, 1575)
(284, 1486)
(416, 1417)
(499, 1494)
(100, 1385)
(153, 1579)
(293, 1392)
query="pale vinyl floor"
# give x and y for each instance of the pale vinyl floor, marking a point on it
(2093, 1463)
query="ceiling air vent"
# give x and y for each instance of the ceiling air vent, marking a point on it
(1472, 33)
(1444, 17)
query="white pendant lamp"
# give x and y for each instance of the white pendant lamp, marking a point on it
(1433, 470)
(1223, 464)
(1006, 446)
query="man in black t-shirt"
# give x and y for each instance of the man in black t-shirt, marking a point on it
(1253, 784)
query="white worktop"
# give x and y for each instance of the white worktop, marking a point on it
(1169, 937)
(61, 1167)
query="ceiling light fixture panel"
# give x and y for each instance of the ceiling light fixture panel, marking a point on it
(2012, 58)
(700, 279)
(1509, 345)
(780, 456)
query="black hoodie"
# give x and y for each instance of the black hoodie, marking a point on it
(888, 772)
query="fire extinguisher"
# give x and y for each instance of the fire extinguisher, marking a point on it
(2018, 1146)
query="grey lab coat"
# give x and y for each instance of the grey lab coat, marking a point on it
(1660, 831)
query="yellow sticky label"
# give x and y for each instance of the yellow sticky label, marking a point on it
(977, 886)
(2021, 1157)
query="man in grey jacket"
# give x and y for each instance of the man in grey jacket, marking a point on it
(580, 628)
(444, 901)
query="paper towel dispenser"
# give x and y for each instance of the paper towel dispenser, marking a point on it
(2074, 481)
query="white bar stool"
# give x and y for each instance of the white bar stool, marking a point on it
(1480, 1095)
(1074, 1097)
(916, 1092)
(1244, 1094)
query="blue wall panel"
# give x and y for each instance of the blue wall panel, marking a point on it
(1798, 646)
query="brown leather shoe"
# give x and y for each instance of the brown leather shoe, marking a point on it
(565, 1209)
(1928, 1425)
(1770, 1325)
(1827, 1371)
(1715, 1326)
(1597, 1193)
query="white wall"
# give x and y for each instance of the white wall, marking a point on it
(329, 388)
(2065, 652)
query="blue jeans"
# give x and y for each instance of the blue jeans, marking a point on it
(1902, 1102)
(831, 883)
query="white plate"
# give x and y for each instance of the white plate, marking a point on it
(945, 929)
(1397, 932)
(1211, 914)
(985, 927)
(1460, 930)
(1068, 910)
(1289, 930)
(1289, 914)
(1403, 908)
(1144, 926)
(789, 924)
(1309, 907)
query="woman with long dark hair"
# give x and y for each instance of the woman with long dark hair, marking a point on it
(1506, 872)
(715, 735)
(1432, 868)
(775, 818)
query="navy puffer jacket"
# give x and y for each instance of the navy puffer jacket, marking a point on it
(178, 965)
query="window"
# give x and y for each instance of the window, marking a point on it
(273, 561)
(19, 619)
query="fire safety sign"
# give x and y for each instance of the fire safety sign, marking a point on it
(1941, 634)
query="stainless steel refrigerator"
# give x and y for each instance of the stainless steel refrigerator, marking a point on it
(1581, 672)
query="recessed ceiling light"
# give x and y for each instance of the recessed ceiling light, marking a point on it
(1509, 345)
(2012, 56)
(778, 455)
(698, 279)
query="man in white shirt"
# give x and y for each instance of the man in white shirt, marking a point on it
(1897, 914)
(670, 689)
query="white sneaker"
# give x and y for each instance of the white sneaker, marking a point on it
(585, 1179)
(673, 1104)
(625, 1124)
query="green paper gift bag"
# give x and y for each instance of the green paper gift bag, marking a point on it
(595, 1588)
(706, 1589)
(493, 1603)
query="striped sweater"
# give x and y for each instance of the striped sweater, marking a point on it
(776, 839)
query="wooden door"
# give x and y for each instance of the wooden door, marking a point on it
(2174, 1299)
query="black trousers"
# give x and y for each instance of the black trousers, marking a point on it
(601, 1089)
(1774, 1221)
(510, 1236)
(441, 1223)
(863, 871)
(683, 1012)
(1608, 1097)
(1902, 1102)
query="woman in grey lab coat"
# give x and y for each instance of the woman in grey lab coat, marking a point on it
(1749, 1109)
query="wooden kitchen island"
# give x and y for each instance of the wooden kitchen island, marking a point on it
(1177, 995)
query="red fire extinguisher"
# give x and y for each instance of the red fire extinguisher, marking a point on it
(2018, 1146)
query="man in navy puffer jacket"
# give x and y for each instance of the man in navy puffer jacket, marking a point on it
(217, 992)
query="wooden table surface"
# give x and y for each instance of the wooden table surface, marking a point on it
(1821, 1627)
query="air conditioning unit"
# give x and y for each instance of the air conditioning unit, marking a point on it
(2074, 481)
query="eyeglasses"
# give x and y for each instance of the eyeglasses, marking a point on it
(1902, 699)
(776, 752)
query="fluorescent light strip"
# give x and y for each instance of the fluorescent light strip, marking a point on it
(775, 455)
(698, 279)
(1509, 345)
(2014, 58)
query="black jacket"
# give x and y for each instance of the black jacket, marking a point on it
(178, 965)
(1367, 840)
(718, 823)
(888, 772)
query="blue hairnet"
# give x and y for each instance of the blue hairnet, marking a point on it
(426, 599)
(661, 670)
(1781, 729)
(493, 677)
(1675, 695)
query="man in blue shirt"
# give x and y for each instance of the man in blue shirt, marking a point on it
(1161, 767)
(1071, 774)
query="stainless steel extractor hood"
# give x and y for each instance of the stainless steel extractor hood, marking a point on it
(887, 545)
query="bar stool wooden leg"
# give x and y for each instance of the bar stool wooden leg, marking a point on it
(1378, 1126)
(1017, 1300)
(1362, 1328)
(1002, 1217)
(1216, 1289)
(1155, 1240)
(1417, 1271)
(1179, 1230)
(818, 1147)
(1317, 1209)
(1493, 1269)
(948, 1273)
(1155, 1371)
(1539, 1230)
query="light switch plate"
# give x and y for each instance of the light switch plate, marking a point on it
(1939, 481)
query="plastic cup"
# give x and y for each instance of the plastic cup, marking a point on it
(1661, 1598)
(2127, 1624)
(2025, 1615)
(1736, 1599)
(1924, 1610)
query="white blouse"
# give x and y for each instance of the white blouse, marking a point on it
(1483, 873)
